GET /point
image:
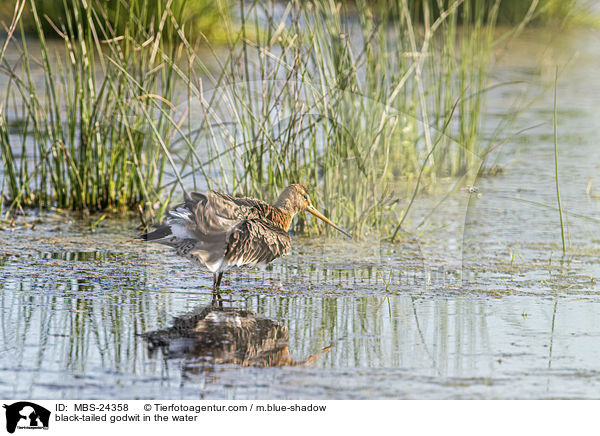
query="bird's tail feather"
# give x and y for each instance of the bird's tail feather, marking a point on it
(160, 233)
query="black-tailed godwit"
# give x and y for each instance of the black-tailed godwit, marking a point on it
(221, 231)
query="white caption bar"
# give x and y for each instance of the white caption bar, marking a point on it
(159, 417)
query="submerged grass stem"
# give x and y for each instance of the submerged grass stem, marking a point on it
(555, 124)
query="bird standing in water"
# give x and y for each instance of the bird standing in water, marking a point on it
(221, 231)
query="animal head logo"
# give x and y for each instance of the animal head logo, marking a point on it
(26, 415)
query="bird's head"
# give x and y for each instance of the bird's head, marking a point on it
(296, 198)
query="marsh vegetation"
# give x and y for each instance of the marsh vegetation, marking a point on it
(121, 105)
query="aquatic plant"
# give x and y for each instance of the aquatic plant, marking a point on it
(361, 105)
(93, 134)
(555, 125)
(353, 102)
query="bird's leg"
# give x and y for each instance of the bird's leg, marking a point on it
(217, 281)
(217, 301)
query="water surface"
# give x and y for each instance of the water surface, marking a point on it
(478, 302)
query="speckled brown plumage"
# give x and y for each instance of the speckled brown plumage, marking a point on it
(293, 199)
(220, 231)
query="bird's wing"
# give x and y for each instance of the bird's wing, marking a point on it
(255, 241)
(208, 215)
(237, 208)
(239, 201)
(193, 227)
(201, 215)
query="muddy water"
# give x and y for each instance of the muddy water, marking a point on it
(478, 302)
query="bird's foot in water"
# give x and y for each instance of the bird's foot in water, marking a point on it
(217, 300)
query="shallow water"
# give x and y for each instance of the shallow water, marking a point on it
(477, 303)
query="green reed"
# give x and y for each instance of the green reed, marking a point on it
(555, 125)
(92, 135)
(360, 105)
(351, 103)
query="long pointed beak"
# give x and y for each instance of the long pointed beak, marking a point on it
(319, 215)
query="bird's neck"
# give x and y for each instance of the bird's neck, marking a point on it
(285, 204)
(282, 216)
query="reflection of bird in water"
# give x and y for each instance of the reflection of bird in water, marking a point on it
(215, 335)
(220, 231)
